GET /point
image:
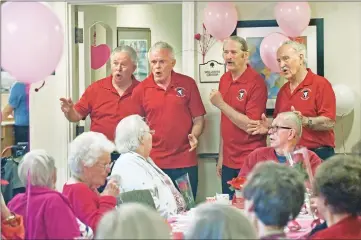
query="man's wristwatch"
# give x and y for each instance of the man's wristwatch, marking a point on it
(309, 122)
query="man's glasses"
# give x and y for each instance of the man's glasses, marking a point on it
(274, 129)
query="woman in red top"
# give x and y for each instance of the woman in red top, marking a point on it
(89, 163)
(337, 188)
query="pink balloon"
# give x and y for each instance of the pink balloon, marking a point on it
(32, 40)
(220, 19)
(293, 17)
(268, 50)
(99, 55)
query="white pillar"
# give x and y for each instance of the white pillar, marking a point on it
(188, 44)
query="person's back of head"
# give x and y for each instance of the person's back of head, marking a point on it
(216, 221)
(133, 221)
(275, 193)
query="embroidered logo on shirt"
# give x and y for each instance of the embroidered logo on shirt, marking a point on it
(241, 94)
(180, 92)
(305, 93)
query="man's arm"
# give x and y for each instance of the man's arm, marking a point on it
(73, 116)
(198, 126)
(6, 112)
(70, 112)
(319, 123)
(239, 119)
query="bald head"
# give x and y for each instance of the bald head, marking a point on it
(291, 119)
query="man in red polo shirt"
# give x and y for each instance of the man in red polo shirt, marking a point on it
(242, 97)
(172, 106)
(284, 134)
(107, 100)
(307, 94)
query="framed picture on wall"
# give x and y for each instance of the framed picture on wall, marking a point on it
(255, 30)
(140, 40)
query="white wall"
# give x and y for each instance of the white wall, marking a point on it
(342, 38)
(164, 21)
(49, 129)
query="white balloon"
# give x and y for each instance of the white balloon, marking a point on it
(345, 99)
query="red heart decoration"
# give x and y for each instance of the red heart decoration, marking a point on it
(99, 55)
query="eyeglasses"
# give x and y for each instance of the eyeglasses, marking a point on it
(152, 132)
(105, 166)
(274, 129)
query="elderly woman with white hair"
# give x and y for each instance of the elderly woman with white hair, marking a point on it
(137, 170)
(309, 95)
(89, 163)
(47, 213)
(133, 221)
(218, 221)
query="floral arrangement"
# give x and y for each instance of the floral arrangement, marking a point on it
(237, 183)
(185, 189)
(205, 41)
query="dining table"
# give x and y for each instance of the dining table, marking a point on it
(179, 224)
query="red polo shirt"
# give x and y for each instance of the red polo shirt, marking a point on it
(313, 97)
(348, 228)
(105, 106)
(268, 154)
(170, 113)
(247, 95)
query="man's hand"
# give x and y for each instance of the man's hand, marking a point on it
(219, 169)
(216, 98)
(193, 141)
(255, 127)
(303, 119)
(66, 105)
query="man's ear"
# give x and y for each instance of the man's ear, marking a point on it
(173, 62)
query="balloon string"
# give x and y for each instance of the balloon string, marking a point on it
(343, 136)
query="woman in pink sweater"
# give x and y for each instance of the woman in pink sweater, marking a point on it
(47, 213)
(89, 163)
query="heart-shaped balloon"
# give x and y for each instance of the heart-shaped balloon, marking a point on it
(99, 55)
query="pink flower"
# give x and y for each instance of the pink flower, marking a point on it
(197, 36)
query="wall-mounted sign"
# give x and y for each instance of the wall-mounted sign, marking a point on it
(211, 71)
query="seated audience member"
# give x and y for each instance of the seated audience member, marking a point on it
(89, 163)
(133, 221)
(337, 187)
(136, 169)
(47, 213)
(274, 195)
(284, 134)
(218, 221)
(12, 226)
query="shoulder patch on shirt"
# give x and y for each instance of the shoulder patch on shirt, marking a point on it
(180, 92)
(241, 94)
(305, 93)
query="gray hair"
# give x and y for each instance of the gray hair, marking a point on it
(242, 42)
(40, 166)
(162, 45)
(129, 133)
(277, 192)
(218, 221)
(127, 49)
(133, 221)
(86, 149)
(299, 48)
(338, 180)
(294, 120)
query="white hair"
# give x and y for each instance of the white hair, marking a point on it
(162, 45)
(129, 133)
(128, 50)
(299, 48)
(86, 149)
(133, 221)
(218, 221)
(40, 167)
(294, 120)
